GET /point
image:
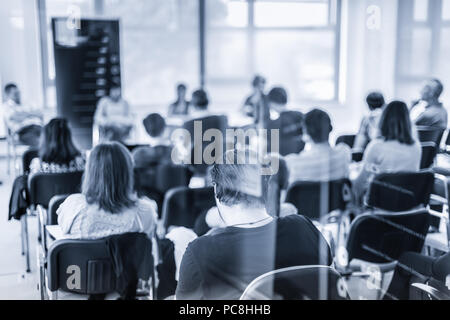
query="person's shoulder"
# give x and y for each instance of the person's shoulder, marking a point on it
(76, 198)
(293, 220)
(146, 204)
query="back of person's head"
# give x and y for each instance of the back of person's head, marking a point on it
(56, 143)
(154, 125)
(395, 123)
(438, 89)
(258, 81)
(318, 125)
(200, 99)
(375, 100)
(9, 87)
(109, 180)
(278, 95)
(238, 181)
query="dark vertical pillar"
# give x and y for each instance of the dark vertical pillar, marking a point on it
(202, 41)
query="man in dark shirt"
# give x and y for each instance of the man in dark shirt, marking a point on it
(221, 264)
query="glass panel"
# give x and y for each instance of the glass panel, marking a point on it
(446, 10)
(159, 47)
(227, 54)
(444, 62)
(227, 13)
(302, 61)
(420, 10)
(291, 13)
(420, 51)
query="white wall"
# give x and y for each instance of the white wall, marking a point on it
(20, 50)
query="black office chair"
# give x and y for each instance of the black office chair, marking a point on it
(27, 158)
(211, 122)
(90, 260)
(429, 152)
(382, 238)
(347, 139)
(316, 200)
(44, 186)
(182, 206)
(155, 181)
(298, 283)
(53, 206)
(429, 134)
(399, 192)
(290, 129)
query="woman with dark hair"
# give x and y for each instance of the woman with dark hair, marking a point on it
(396, 150)
(57, 151)
(107, 204)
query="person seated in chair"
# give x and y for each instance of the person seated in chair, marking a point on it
(431, 113)
(198, 107)
(395, 150)
(319, 162)
(252, 102)
(160, 148)
(221, 264)
(107, 205)
(25, 122)
(369, 129)
(181, 106)
(57, 152)
(113, 117)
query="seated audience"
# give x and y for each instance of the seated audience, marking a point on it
(199, 104)
(113, 117)
(289, 124)
(222, 263)
(319, 162)
(252, 102)
(368, 130)
(160, 148)
(434, 113)
(181, 106)
(57, 152)
(422, 268)
(107, 205)
(395, 150)
(25, 122)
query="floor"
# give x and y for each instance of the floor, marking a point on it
(15, 283)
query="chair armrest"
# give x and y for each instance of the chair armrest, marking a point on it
(431, 291)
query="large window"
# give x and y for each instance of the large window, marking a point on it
(423, 45)
(218, 43)
(291, 42)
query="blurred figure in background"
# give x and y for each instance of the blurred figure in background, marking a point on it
(160, 148)
(57, 152)
(199, 104)
(251, 103)
(25, 122)
(320, 161)
(181, 105)
(113, 117)
(431, 113)
(369, 130)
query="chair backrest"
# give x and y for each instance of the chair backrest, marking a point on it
(298, 283)
(44, 186)
(27, 157)
(429, 134)
(290, 130)
(132, 147)
(182, 206)
(211, 122)
(86, 261)
(54, 204)
(316, 199)
(155, 181)
(382, 238)
(347, 139)
(429, 152)
(398, 192)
